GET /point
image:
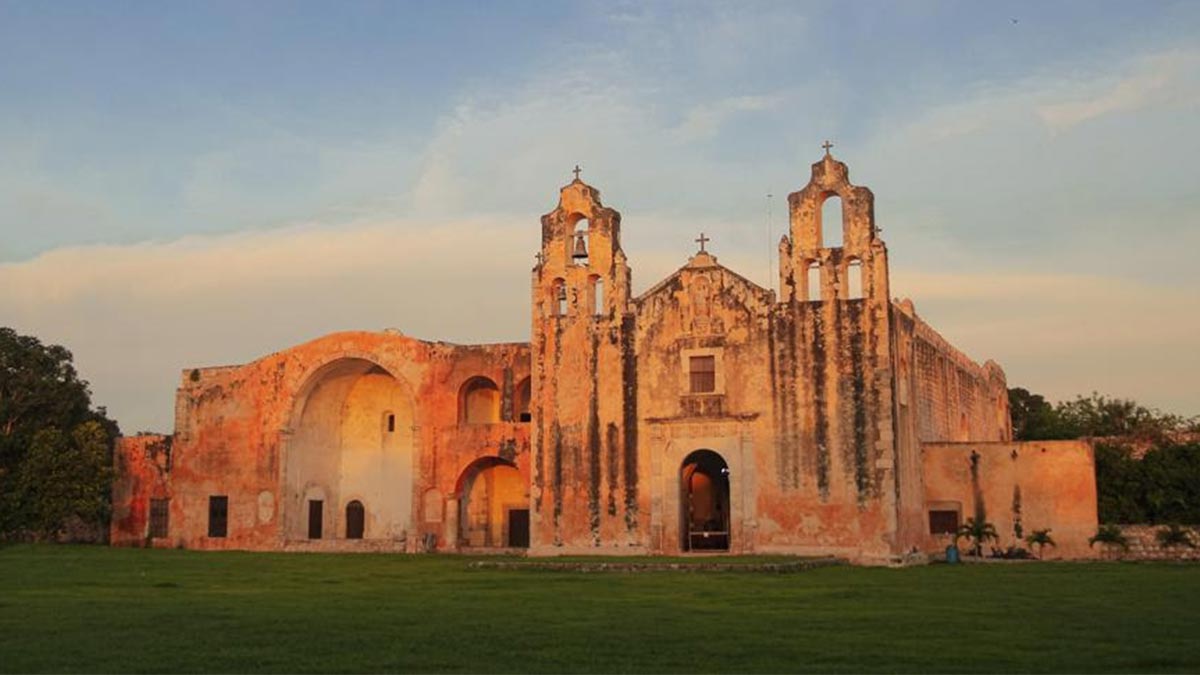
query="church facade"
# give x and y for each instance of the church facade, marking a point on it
(707, 414)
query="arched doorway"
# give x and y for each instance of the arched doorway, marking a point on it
(704, 502)
(351, 440)
(493, 507)
(355, 520)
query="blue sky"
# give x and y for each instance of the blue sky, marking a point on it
(183, 184)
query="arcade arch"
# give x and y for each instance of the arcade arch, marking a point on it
(351, 439)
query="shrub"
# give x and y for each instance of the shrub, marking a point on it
(1174, 535)
(1110, 535)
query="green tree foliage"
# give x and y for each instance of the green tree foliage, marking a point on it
(1034, 418)
(65, 480)
(1162, 487)
(55, 449)
(1099, 416)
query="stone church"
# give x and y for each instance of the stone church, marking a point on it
(707, 414)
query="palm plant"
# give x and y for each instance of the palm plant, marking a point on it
(1111, 537)
(1174, 535)
(978, 531)
(1041, 539)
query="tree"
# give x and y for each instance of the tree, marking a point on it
(978, 531)
(45, 411)
(1033, 418)
(1041, 539)
(65, 481)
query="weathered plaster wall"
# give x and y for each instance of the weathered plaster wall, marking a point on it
(1041, 484)
(586, 492)
(702, 310)
(142, 465)
(307, 423)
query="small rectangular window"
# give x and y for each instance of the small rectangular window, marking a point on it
(391, 423)
(943, 522)
(158, 518)
(218, 516)
(703, 371)
(316, 509)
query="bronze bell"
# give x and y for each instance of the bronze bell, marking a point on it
(580, 247)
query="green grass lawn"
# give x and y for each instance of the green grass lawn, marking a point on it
(65, 608)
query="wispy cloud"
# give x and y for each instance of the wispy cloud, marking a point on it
(1157, 80)
(703, 121)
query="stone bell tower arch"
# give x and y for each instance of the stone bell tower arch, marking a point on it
(584, 411)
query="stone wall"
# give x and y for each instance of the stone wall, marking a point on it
(312, 422)
(142, 466)
(1036, 485)
(1143, 545)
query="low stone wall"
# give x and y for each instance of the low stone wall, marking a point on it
(1143, 545)
(658, 566)
(346, 546)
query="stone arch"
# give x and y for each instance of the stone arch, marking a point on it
(493, 505)
(558, 298)
(479, 401)
(355, 520)
(579, 243)
(704, 502)
(338, 439)
(522, 399)
(831, 220)
(812, 281)
(855, 279)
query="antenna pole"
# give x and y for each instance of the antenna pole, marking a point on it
(770, 251)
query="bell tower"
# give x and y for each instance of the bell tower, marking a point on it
(582, 344)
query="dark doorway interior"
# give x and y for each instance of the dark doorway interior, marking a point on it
(518, 528)
(704, 502)
(315, 509)
(355, 520)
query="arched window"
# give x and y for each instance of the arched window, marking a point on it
(558, 297)
(814, 281)
(580, 243)
(355, 520)
(524, 393)
(479, 401)
(831, 221)
(597, 296)
(854, 279)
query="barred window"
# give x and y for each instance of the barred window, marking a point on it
(218, 516)
(943, 522)
(158, 518)
(703, 371)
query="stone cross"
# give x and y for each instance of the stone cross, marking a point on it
(702, 240)
(577, 171)
(827, 145)
(538, 257)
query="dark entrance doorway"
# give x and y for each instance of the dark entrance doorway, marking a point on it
(518, 528)
(355, 517)
(704, 502)
(316, 508)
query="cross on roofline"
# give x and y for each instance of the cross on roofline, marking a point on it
(702, 240)
(577, 171)
(827, 145)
